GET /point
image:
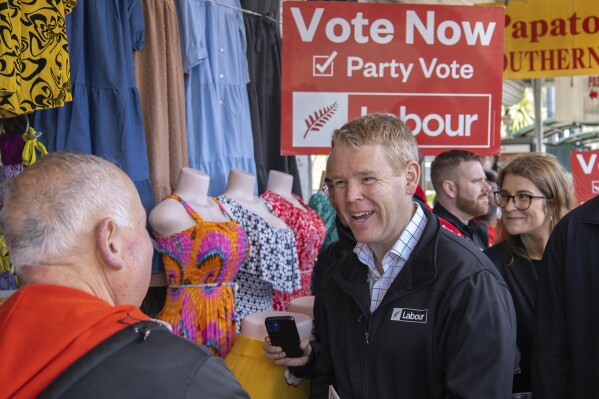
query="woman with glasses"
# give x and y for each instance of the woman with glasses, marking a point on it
(534, 194)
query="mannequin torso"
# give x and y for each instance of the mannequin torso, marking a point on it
(169, 216)
(281, 183)
(240, 187)
(308, 229)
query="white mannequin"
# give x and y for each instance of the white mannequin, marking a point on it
(169, 216)
(282, 183)
(252, 325)
(240, 187)
(303, 304)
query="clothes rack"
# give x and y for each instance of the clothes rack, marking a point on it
(242, 10)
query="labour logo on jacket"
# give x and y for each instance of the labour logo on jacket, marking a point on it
(409, 315)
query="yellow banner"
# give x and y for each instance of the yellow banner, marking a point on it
(546, 38)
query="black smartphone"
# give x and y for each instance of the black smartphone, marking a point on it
(282, 332)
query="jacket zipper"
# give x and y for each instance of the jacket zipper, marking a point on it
(366, 358)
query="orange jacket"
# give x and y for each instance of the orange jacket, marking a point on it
(45, 328)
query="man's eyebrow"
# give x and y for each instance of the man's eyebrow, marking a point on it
(368, 173)
(358, 174)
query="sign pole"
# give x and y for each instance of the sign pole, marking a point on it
(537, 84)
(423, 174)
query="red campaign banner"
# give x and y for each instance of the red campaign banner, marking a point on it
(439, 68)
(585, 174)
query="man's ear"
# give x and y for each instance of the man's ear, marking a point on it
(412, 173)
(109, 243)
(449, 188)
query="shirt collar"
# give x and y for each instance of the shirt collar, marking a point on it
(473, 231)
(403, 247)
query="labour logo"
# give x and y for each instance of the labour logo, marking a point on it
(409, 315)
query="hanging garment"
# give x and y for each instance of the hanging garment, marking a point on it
(309, 231)
(219, 132)
(201, 263)
(8, 172)
(159, 76)
(7, 279)
(34, 72)
(11, 149)
(11, 139)
(271, 264)
(105, 116)
(260, 377)
(264, 90)
(322, 206)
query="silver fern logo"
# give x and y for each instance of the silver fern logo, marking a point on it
(319, 118)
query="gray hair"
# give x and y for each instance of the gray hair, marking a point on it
(384, 129)
(49, 205)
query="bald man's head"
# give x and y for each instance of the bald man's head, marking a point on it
(54, 204)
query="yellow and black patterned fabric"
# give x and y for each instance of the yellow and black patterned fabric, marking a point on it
(5, 264)
(34, 60)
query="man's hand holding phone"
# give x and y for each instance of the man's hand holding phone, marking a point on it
(276, 354)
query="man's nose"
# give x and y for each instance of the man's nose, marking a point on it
(487, 187)
(354, 191)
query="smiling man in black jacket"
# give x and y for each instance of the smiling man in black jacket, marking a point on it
(414, 311)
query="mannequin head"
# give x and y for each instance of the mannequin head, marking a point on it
(280, 183)
(240, 184)
(192, 184)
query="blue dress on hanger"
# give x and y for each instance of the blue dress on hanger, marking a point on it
(213, 46)
(104, 117)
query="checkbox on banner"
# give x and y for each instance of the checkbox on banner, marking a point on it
(595, 186)
(323, 64)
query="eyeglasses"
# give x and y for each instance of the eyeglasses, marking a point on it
(521, 201)
(327, 188)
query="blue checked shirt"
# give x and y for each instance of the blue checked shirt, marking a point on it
(394, 260)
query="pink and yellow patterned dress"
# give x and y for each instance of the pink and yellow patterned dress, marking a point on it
(201, 263)
(309, 231)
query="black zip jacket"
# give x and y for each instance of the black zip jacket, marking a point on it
(521, 278)
(565, 361)
(445, 329)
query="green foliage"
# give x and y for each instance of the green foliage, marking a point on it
(522, 113)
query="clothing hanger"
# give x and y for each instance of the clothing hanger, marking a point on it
(242, 10)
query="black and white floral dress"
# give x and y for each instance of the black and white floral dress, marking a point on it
(272, 263)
